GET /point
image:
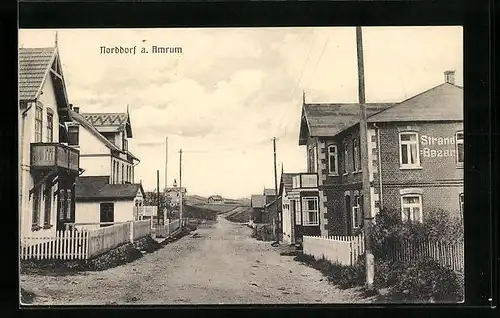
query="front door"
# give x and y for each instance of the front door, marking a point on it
(107, 213)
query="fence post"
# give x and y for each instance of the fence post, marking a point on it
(132, 232)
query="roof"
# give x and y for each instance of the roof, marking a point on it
(325, 120)
(440, 103)
(257, 201)
(270, 204)
(79, 118)
(119, 121)
(34, 65)
(215, 197)
(98, 188)
(268, 192)
(286, 181)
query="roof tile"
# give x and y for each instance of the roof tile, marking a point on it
(33, 65)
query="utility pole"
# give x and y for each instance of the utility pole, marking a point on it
(276, 191)
(363, 137)
(158, 198)
(180, 187)
(166, 162)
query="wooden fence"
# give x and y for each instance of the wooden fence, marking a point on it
(83, 244)
(447, 254)
(141, 229)
(164, 231)
(344, 250)
(107, 238)
(65, 245)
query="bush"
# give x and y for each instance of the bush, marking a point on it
(341, 275)
(427, 281)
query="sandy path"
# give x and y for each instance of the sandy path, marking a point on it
(224, 265)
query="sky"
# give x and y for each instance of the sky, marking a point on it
(232, 90)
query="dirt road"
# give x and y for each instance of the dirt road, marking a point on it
(222, 264)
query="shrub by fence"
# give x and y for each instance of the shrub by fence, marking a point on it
(446, 254)
(344, 250)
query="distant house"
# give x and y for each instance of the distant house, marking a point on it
(257, 203)
(215, 199)
(174, 196)
(289, 220)
(47, 166)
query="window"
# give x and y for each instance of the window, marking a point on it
(298, 215)
(50, 127)
(312, 159)
(461, 205)
(38, 123)
(411, 208)
(346, 157)
(356, 209)
(62, 205)
(332, 159)
(36, 208)
(125, 144)
(68, 204)
(347, 200)
(408, 150)
(48, 204)
(459, 136)
(310, 211)
(123, 173)
(107, 211)
(109, 136)
(356, 155)
(73, 132)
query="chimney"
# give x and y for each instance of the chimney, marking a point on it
(76, 109)
(449, 77)
(71, 106)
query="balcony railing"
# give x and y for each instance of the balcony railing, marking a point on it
(305, 180)
(47, 155)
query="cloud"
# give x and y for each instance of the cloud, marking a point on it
(232, 90)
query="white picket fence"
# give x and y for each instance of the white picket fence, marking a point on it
(344, 250)
(83, 244)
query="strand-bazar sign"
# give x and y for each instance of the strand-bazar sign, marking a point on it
(437, 146)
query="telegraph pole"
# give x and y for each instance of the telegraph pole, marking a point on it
(180, 187)
(363, 134)
(158, 198)
(166, 162)
(276, 191)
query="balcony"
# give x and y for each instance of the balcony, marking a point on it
(305, 181)
(54, 155)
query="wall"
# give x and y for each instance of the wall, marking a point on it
(48, 101)
(94, 155)
(439, 178)
(287, 220)
(89, 212)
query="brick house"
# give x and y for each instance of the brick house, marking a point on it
(415, 148)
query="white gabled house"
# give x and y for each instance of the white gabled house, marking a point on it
(105, 192)
(47, 166)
